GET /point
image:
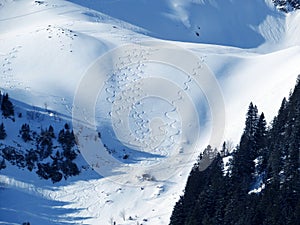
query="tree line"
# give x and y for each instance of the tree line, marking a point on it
(261, 184)
(48, 161)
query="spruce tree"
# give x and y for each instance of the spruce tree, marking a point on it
(2, 132)
(260, 139)
(243, 158)
(25, 132)
(44, 144)
(2, 164)
(7, 106)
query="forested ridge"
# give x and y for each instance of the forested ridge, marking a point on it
(257, 182)
(49, 153)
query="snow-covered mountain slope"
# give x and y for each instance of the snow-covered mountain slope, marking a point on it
(47, 46)
(226, 22)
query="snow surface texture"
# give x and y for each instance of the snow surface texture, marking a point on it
(46, 50)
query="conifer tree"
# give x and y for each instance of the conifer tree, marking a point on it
(230, 198)
(2, 164)
(25, 132)
(7, 106)
(2, 132)
(243, 158)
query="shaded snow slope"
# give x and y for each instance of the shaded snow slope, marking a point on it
(205, 21)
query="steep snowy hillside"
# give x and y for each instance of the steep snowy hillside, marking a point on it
(216, 22)
(46, 50)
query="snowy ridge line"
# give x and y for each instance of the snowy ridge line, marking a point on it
(5, 223)
(10, 182)
(25, 212)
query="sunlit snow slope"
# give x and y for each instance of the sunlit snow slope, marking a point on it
(46, 46)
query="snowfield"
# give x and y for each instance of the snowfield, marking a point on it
(46, 51)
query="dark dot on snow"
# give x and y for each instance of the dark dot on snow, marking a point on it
(114, 27)
(197, 34)
(49, 37)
